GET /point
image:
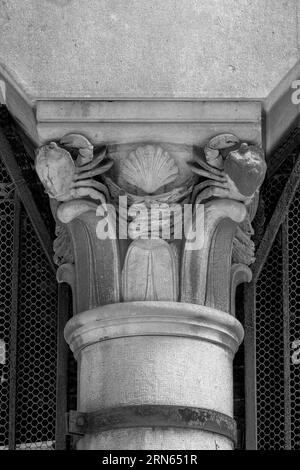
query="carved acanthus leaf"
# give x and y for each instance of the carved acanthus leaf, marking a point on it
(62, 245)
(243, 247)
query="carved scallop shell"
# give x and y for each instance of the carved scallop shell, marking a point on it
(149, 168)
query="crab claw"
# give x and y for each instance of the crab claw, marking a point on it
(213, 150)
(246, 169)
(70, 210)
(98, 159)
(81, 143)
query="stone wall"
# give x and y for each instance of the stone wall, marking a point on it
(140, 48)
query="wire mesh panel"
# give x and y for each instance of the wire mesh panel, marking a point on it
(6, 260)
(294, 318)
(36, 359)
(270, 354)
(273, 187)
(28, 313)
(276, 300)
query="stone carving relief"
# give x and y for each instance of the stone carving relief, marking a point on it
(91, 268)
(65, 179)
(231, 173)
(149, 168)
(121, 184)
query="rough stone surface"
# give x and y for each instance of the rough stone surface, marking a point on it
(142, 48)
(154, 439)
(184, 122)
(155, 370)
(133, 367)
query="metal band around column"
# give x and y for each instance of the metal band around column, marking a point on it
(136, 416)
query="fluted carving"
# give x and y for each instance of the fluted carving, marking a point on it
(220, 183)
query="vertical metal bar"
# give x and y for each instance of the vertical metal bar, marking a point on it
(277, 219)
(13, 328)
(286, 335)
(15, 173)
(250, 367)
(62, 366)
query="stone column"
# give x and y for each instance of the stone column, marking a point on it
(154, 329)
(155, 375)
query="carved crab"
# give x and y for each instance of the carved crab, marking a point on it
(65, 179)
(232, 170)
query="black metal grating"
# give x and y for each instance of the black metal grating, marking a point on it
(28, 410)
(277, 324)
(6, 261)
(270, 354)
(36, 345)
(273, 187)
(294, 315)
(270, 386)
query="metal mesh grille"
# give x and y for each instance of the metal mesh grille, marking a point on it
(269, 353)
(36, 342)
(272, 188)
(294, 308)
(36, 366)
(278, 382)
(6, 259)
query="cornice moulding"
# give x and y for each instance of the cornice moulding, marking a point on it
(182, 122)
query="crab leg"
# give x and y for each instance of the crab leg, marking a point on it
(90, 166)
(212, 192)
(207, 167)
(91, 192)
(208, 174)
(91, 184)
(97, 171)
(199, 187)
